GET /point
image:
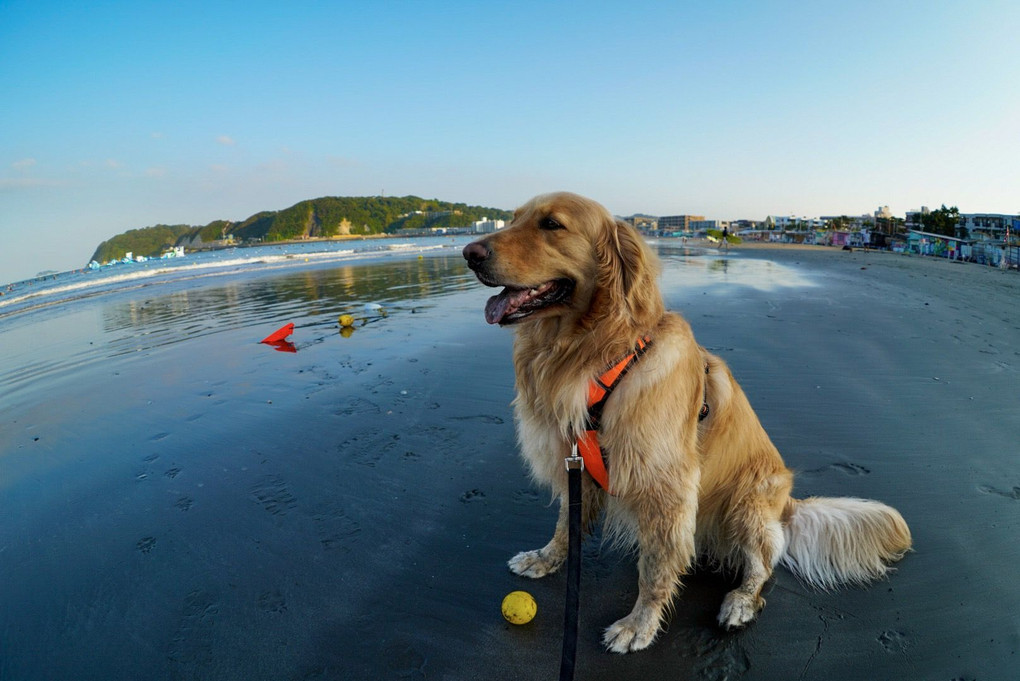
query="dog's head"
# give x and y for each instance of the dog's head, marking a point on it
(564, 255)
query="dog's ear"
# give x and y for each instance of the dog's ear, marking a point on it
(627, 273)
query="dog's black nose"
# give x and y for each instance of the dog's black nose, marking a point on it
(476, 253)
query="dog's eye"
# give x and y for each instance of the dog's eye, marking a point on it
(548, 224)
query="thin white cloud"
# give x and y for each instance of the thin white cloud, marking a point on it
(226, 140)
(155, 172)
(113, 163)
(24, 163)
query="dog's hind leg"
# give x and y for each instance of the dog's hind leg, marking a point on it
(744, 603)
(760, 543)
(549, 558)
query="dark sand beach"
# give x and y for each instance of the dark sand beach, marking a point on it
(181, 502)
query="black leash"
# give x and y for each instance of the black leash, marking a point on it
(598, 394)
(574, 467)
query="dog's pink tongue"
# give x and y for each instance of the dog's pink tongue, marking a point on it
(499, 306)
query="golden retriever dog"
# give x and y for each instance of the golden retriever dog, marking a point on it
(580, 289)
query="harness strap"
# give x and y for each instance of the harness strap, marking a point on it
(599, 389)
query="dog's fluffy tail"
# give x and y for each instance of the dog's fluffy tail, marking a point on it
(835, 541)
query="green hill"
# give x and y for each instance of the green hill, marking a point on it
(325, 217)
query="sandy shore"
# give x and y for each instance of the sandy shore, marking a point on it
(182, 502)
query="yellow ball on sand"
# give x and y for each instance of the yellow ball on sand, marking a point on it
(346, 320)
(519, 607)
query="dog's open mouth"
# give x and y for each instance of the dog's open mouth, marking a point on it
(515, 304)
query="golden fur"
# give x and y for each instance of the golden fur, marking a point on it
(680, 487)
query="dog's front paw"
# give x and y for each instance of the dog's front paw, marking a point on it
(632, 633)
(534, 564)
(739, 609)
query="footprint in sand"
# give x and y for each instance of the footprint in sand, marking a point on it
(336, 529)
(273, 495)
(272, 601)
(525, 496)
(367, 450)
(719, 657)
(1013, 494)
(472, 495)
(358, 406)
(894, 641)
(845, 468)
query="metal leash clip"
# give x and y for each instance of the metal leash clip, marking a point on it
(574, 460)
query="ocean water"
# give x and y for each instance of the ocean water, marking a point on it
(77, 284)
(57, 331)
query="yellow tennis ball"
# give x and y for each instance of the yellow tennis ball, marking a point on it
(519, 607)
(346, 320)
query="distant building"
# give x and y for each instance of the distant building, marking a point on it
(990, 226)
(678, 223)
(913, 220)
(979, 226)
(706, 225)
(487, 226)
(738, 226)
(793, 223)
(926, 243)
(643, 222)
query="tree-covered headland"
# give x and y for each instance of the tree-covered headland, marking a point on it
(327, 217)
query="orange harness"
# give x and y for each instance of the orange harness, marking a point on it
(599, 390)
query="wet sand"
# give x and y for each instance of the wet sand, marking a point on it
(182, 502)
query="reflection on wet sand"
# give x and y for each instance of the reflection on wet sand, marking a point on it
(317, 295)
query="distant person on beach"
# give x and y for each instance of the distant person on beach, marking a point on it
(726, 238)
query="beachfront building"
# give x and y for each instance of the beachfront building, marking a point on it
(643, 223)
(487, 226)
(792, 223)
(708, 225)
(851, 223)
(678, 223)
(976, 226)
(989, 226)
(741, 226)
(926, 243)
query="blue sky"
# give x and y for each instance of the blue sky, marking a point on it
(117, 115)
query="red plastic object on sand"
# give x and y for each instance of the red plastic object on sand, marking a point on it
(279, 335)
